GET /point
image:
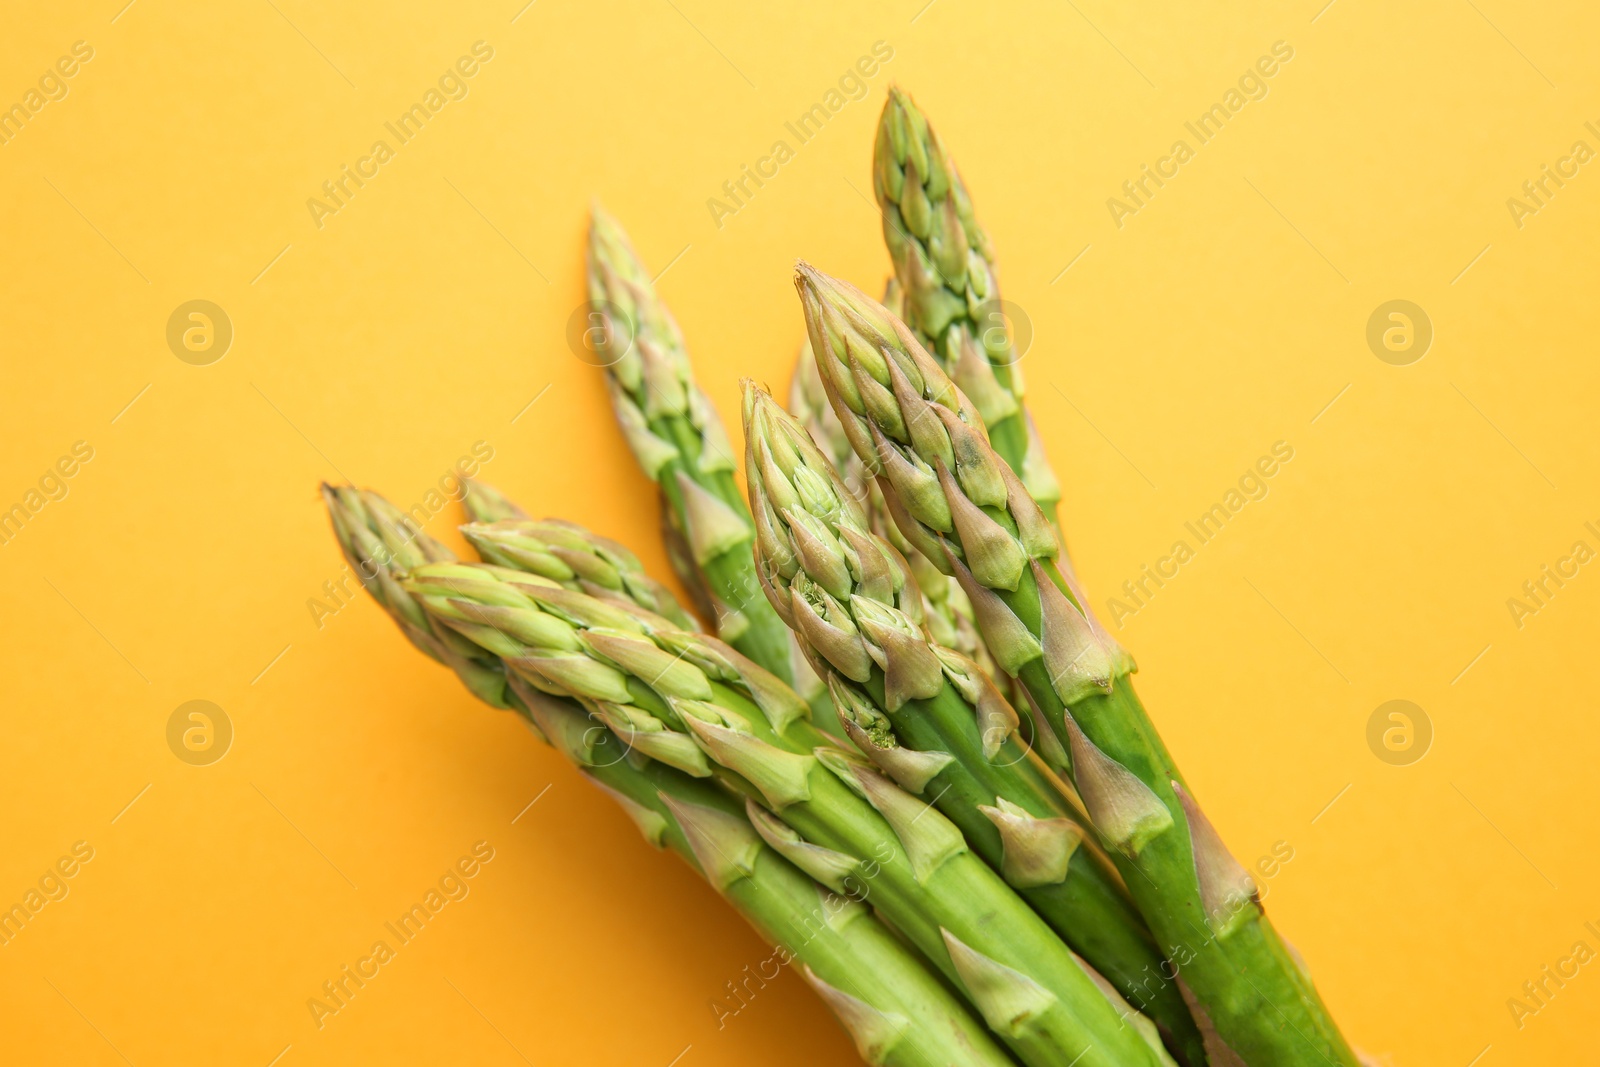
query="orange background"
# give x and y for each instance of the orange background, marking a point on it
(431, 309)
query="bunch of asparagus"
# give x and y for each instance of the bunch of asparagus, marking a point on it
(844, 759)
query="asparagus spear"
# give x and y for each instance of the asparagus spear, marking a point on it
(694, 703)
(961, 503)
(944, 262)
(894, 1007)
(678, 440)
(854, 602)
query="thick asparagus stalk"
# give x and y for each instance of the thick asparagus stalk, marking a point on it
(894, 1007)
(854, 602)
(961, 503)
(678, 440)
(694, 703)
(945, 264)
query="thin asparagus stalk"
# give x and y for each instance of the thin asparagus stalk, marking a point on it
(694, 703)
(854, 602)
(893, 1006)
(945, 264)
(679, 442)
(955, 498)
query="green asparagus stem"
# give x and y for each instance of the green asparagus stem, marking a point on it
(855, 604)
(680, 443)
(945, 263)
(961, 503)
(696, 704)
(894, 1007)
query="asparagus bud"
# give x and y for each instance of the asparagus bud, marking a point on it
(567, 553)
(945, 262)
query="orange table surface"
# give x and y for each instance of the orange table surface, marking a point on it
(374, 315)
